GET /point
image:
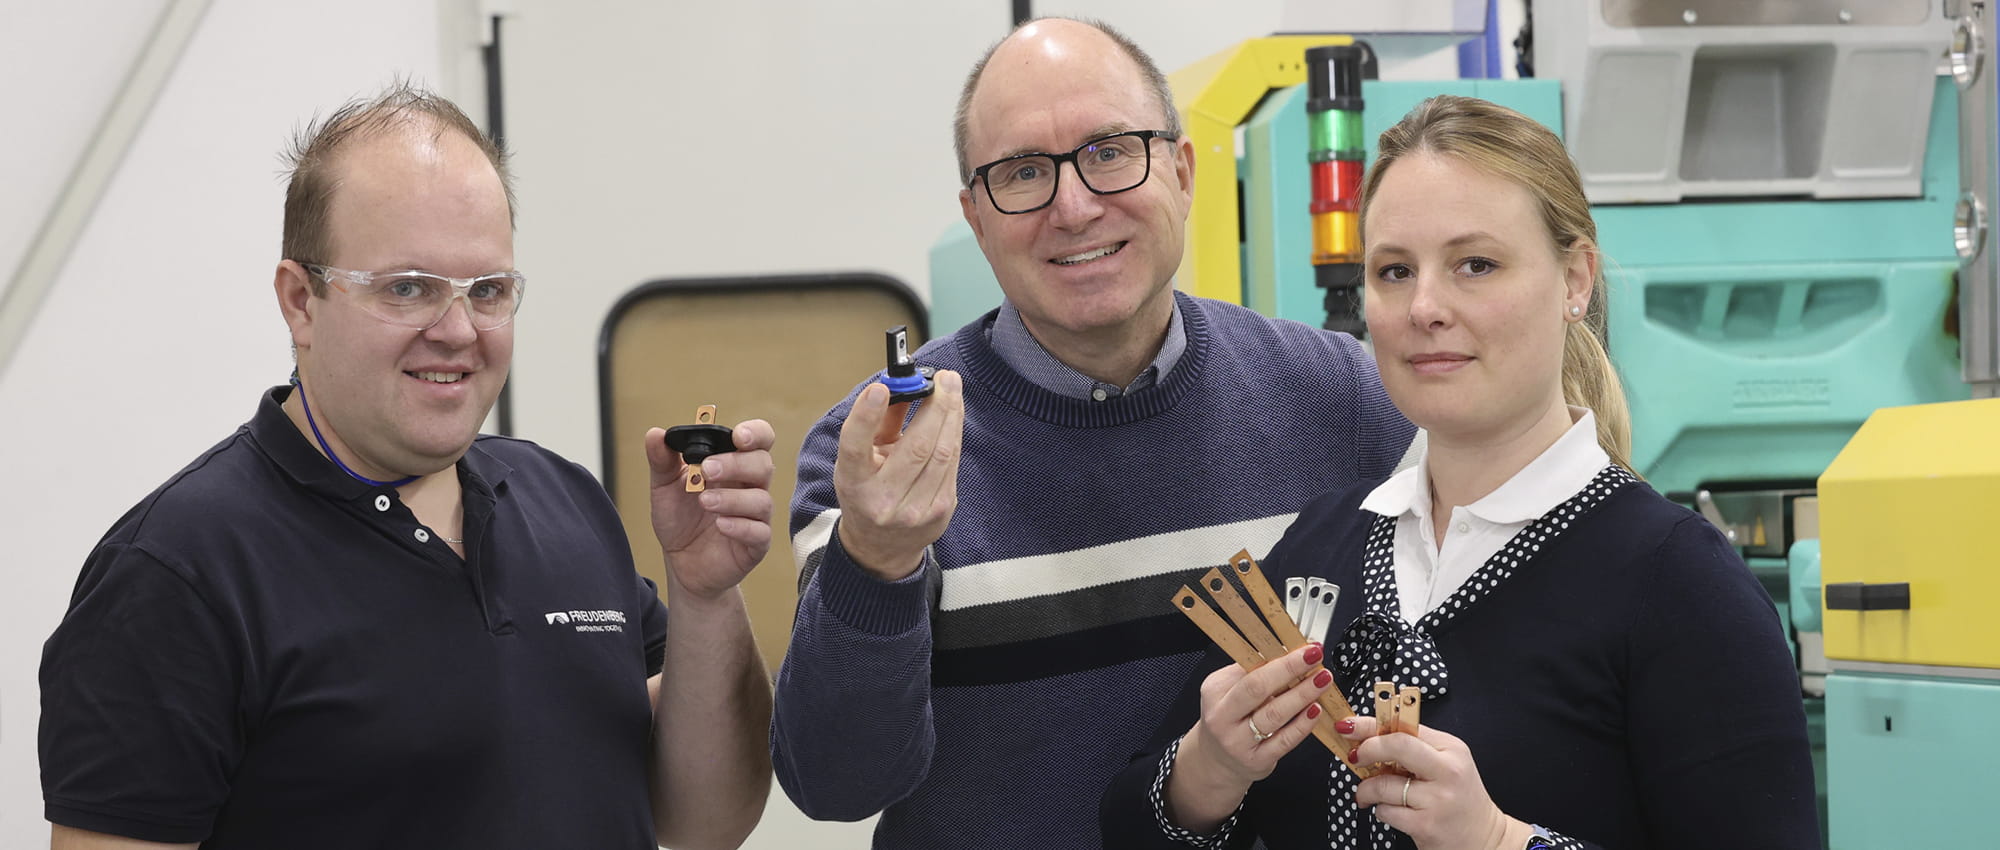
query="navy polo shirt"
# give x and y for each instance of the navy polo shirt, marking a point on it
(267, 653)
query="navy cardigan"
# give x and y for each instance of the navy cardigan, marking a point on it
(1629, 685)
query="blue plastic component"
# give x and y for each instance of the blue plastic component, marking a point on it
(906, 384)
(1479, 58)
(905, 379)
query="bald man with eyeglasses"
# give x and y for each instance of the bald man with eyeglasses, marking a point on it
(983, 636)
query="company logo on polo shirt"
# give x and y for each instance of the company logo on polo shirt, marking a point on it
(588, 621)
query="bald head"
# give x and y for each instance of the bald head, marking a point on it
(315, 169)
(1057, 42)
(414, 165)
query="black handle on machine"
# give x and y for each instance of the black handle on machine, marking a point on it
(1862, 596)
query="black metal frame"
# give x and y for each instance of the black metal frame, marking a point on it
(709, 285)
(489, 55)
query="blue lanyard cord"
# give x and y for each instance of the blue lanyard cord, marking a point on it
(329, 449)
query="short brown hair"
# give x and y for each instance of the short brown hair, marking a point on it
(1504, 143)
(1163, 95)
(309, 161)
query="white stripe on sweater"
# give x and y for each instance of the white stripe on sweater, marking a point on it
(814, 536)
(1014, 579)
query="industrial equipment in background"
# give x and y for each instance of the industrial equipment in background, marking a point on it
(1792, 200)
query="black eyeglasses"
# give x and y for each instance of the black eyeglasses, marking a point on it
(1026, 182)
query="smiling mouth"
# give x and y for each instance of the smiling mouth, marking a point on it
(438, 377)
(1087, 256)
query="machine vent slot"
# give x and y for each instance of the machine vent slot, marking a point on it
(1783, 311)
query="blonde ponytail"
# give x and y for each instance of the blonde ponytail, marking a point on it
(1588, 380)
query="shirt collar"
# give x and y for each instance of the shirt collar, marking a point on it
(293, 452)
(1025, 355)
(1562, 470)
(1559, 472)
(1406, 492)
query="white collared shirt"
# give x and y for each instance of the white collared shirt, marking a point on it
(1427, 573)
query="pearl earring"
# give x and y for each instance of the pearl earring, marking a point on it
(1575, 310)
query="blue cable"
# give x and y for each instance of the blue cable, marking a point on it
(329, 449)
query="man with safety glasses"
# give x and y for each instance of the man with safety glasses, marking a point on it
(355, 623)
(983, 635)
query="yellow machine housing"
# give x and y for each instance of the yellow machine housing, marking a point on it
(1915, 498)
(1214, 95)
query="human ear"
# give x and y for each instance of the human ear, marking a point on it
(294, 290)
(1580, 268)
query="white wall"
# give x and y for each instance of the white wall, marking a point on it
(652, 140)
(682, 139)
(62, 115)
(161, 329)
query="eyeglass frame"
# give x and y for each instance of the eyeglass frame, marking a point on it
(461, 287)
(1055, 186)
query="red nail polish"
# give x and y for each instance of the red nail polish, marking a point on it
(1312, 711)
(1324, 678)
(1344, 727)
(1314, 653)
(1354, 755)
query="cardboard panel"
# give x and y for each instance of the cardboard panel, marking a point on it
(781, 349)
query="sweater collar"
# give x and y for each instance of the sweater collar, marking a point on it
(990, 371)
(1024, 354)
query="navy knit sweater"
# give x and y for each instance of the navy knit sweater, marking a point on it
(1627, 686)
(988, 699)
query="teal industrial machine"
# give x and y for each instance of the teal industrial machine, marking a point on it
(1776, 188)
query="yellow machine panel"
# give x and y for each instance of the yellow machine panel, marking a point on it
(1910, 558)
(1214, 95)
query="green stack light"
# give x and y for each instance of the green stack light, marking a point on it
(1337, 155)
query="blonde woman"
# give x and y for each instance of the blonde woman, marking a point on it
(1598, 667)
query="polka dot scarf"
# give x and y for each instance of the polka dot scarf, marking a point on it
(1380, 646)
